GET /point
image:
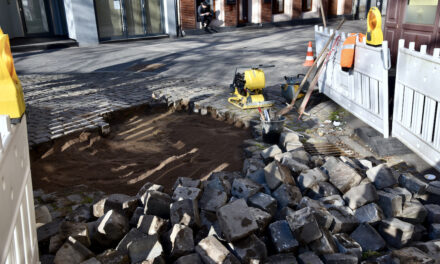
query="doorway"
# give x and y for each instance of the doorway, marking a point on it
(120, 19)
(243, 11)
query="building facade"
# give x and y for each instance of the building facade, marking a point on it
(88, 21)
(242, 12)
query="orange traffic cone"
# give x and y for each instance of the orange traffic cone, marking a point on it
(309, 59)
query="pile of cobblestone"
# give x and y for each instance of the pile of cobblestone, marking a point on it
(285, 206)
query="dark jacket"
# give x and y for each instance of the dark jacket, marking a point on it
(201, 10)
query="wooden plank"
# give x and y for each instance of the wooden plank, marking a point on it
(428, 119)
(407, 107)
(417, 114)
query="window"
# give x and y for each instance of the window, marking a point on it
(306, 5)
(277, 6)
(421, 12)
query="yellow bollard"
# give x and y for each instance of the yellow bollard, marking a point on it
(11, 92)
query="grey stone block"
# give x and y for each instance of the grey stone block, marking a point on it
(251, 165)
(304, 225)
(403, 192)
(339, 258)
(187, 182)
(309, 178)
(333, 200)
(78, 231)
(145, 249)
(244, 188)
(301, 156)
(189, 259)
(287, 195)
(381, 176)
(434, 231)
(412, 183)
(308, 258)
(341, 175)
(368, 238)
(261, 217)
(434, 187)
(411, 255)
(360, 195)
(396, 232)
(148, 186)
(285, 258)
(294, 165)
(413, 212)
(288, 137)
(343, 222)
(270, 152)
(151, 224)
(391, 204)
(264, 202)
(113, 256)
(185, 212)
(433, 213)
(157, 203)
(282, 237)
(370, 213)
(211, 251)
(276, 174)
(257, 176)
(136, 215)
(182, 193)
(72, 252)
(348, 245)
(179, 241)
(322, 189)
(236, 220)
(212, 199)
(120, 203)
(250, 249)
(132, 235)
(111, 228)
(325, 244)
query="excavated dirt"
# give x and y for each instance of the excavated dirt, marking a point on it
(156, 147)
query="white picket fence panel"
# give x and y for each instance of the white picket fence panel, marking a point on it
(416, 115)
(18, 243)
(362, 91)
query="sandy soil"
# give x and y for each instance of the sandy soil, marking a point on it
(155, 147)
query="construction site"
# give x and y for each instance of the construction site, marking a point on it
(281, 141)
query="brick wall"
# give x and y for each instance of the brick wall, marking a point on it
(297, 8)
(230, 15)
(266, 12)
(188, 14)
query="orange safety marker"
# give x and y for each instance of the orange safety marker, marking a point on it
(309, 59)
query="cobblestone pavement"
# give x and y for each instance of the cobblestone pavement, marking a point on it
(60, 104)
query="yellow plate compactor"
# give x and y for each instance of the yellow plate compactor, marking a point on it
(247, 88)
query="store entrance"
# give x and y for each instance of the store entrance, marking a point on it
(119, 19)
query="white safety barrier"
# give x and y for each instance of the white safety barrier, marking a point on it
(364, 90)
(416, 116)
(18, 243)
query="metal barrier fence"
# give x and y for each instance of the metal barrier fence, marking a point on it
(416, 116)
(364, 90)
(18, 241)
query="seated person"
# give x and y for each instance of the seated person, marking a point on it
(205, 15)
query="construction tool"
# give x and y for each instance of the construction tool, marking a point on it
(261, 114)
(11, 92)
(374, 27)
(289, 107)
(289, 89)
(316, 77)
(247, 88)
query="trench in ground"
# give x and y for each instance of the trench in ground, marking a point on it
(154, 145)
